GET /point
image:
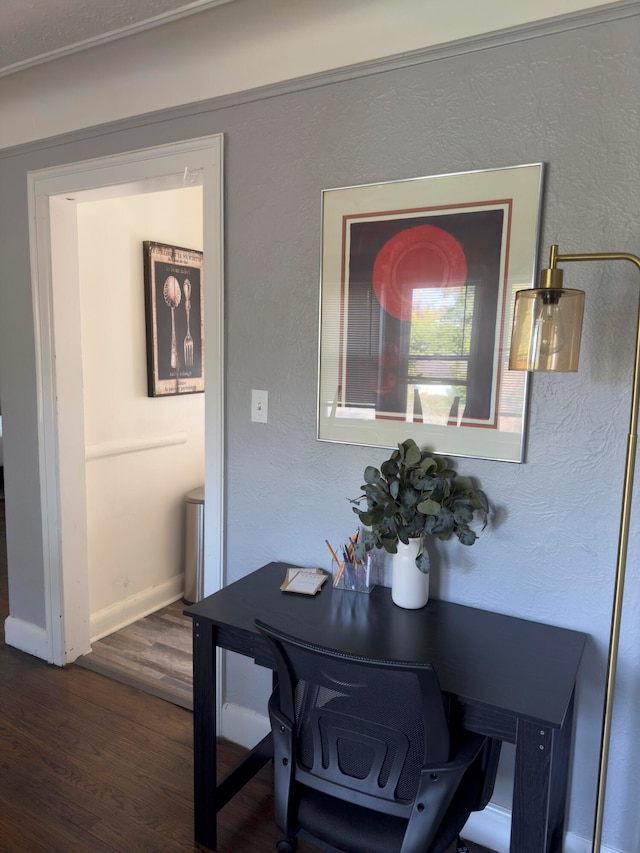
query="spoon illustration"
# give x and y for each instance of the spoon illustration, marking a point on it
(172, 296)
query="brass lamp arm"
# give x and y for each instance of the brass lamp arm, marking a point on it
(552, 276)
(600, 256)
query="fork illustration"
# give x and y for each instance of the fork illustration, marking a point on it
(188, 341)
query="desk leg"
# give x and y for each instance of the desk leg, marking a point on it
(204, 734)
(540, 786)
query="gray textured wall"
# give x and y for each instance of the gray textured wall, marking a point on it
(570, 100)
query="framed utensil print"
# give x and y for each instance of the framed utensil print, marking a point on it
(418, 284)
(174, 302)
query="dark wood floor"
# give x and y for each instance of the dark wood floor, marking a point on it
(90, 765)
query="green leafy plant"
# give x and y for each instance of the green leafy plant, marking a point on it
(416, 494)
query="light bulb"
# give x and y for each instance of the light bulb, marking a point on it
(548, 336)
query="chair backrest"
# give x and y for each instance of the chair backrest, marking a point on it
(360, 725)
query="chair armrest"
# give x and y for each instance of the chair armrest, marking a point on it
(436, 789)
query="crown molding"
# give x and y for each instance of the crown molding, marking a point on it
(609, 12)
(122, 32)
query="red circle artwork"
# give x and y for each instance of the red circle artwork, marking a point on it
(424, 256)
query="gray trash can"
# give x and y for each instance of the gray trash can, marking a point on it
(194, 546)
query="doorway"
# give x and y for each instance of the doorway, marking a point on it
(54, 196)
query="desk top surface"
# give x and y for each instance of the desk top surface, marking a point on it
(524, 668)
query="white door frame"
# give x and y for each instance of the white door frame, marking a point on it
(53, 247)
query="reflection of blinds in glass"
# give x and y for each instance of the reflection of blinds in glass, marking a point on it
(362, 347)
(510, 394)
(438, 370)
(441, 321)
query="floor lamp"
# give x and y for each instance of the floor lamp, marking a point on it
(547, 325)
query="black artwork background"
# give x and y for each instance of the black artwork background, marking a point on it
(479, 233)
(163, 316)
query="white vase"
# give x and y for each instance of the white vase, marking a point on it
(409, 586)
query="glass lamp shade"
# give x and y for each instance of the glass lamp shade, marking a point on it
(547, 324)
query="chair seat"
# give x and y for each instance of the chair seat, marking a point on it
(337, 822)
(340, 822)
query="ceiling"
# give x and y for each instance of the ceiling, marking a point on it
(36, 31)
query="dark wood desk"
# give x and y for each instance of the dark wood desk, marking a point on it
(514, 679)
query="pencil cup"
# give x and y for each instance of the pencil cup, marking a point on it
(354, 576)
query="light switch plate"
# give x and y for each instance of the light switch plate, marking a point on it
(259, 406)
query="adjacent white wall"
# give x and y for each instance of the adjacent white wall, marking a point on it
(143, 454)
(240, 46)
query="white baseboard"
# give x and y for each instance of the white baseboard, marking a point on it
(490, 827)
(26, 637)
(123, 613)
(32, 639)
(243, 726)
(577, 844)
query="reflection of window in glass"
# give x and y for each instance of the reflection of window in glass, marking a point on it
(439, 351)
(444, 364)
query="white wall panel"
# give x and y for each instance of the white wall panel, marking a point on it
(135, 498)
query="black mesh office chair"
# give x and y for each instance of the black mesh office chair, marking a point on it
(368, 757)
